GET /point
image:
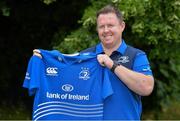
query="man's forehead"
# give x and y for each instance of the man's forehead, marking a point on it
(107, 17)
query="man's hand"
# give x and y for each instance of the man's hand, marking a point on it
(37, 53)
(105, 60)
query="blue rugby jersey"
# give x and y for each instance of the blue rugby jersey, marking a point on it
(67, 87)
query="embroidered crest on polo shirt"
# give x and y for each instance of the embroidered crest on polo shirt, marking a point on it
(123, 59)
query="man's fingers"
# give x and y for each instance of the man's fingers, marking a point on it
(105, 60)
(37, 53)
(101, 60)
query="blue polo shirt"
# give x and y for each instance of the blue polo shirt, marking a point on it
(124, 104)
(67, 87)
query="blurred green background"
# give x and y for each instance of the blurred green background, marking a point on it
(70, 26)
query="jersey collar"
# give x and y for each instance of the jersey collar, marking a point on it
(67, 58)
(121, 49)
(75, 58)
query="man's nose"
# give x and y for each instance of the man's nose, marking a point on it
(106, 29)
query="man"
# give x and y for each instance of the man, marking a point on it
(130, 74)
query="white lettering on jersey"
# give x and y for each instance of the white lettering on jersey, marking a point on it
(27, 76)
(67, 96)
(146, 69)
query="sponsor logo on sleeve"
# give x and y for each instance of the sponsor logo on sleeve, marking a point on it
(27, 76)
(146, 69)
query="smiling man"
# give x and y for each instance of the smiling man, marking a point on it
(129, 68)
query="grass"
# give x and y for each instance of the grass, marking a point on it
(15, 112)
(172, 112)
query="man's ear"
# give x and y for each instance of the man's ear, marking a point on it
(123, 25)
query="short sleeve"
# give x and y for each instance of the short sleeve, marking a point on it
(32, 78)
(141, 64)
(107, 88)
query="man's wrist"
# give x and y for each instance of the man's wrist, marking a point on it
(114, 67)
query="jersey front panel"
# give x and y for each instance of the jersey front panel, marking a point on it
(70, 88)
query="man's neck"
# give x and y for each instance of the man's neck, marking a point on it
(109, 49)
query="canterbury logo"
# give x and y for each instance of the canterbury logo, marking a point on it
(52, 71)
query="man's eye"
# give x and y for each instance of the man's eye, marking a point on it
(101, 27)
(110, 26)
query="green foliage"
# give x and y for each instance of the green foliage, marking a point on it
(48, 1)
(73, 43)
(172, 112)
(85, 36)
(151, 25)
(12, 112)
(4, 9)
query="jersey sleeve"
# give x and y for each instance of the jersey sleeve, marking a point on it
(32, 78)
(141, 64)
(107, 88)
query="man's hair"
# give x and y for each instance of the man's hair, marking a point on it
(110, 9)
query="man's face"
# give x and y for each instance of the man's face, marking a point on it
(110, 29)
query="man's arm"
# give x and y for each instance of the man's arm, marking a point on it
(139, 83)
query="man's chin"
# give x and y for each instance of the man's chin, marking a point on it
(108, 44)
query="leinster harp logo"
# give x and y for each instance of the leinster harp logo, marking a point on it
(84, 74)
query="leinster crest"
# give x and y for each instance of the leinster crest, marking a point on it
(84, 74)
